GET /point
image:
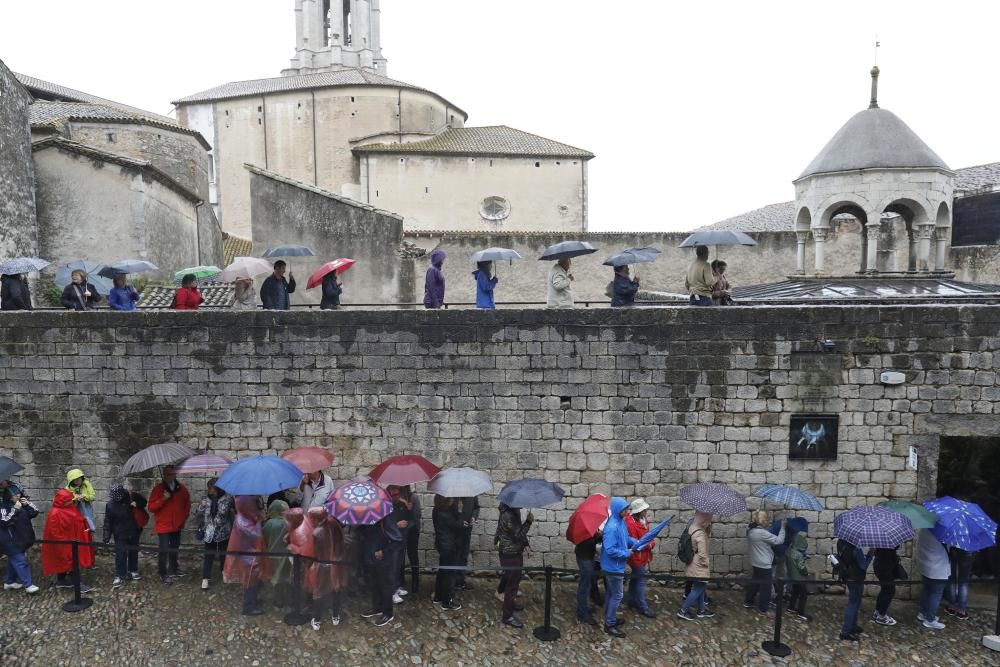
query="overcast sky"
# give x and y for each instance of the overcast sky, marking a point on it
(697, 111)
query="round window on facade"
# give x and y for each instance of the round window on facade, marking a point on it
(494, 208)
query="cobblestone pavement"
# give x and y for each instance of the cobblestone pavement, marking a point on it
(149, 623)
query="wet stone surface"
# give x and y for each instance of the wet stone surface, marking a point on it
(147, 623)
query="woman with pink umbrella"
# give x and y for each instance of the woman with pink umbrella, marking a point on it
(328, 276)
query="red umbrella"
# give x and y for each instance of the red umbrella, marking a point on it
(403, 470)
(588, 518)
(308, 459)
(338, 265)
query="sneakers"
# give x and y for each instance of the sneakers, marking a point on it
(883, 620)
(514, 622)
(934, 625)
(117, 583)
(134, 576)
(648, 613)
(32, 589)
(402, 592)
(13, 587)
(962, 615)
(335, 620)
(451, 606)
(396, 599)
(951, 611)
(179, 573)
(167, 580)
(465, 586)
(370, 613)
(686, 615)
(315, 624)
(802, 616)
(384, 620)
(708, 613)
(749, 605)
(84, 588)
(204, 584)
(614, 631)
(257, 611)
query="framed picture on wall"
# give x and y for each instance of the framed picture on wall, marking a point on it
(813, 437)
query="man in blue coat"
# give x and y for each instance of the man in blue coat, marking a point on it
(274, 293)
(618, 546)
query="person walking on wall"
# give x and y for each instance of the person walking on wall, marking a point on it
(333, 287)
(215, 516)
(276, 290)
(448, 536)
(560, 294)
(469, 510)
(170, 504)
(700, 280)
(511, 540)
(618, 547)
(887, 567)
(486, 283)
(16, 536)
(79, 294)
(638, 525)
(935, 568)
(187, 297)
(434, 281)
(624, 288)
(699, 532)
(957, 592)
(853, 568)
(123, 295)
(14, 292)
(759, 541)
(245, 296)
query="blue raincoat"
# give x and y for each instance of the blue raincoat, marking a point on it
(484, 289)
(617, 541)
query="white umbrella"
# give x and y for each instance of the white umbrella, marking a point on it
(245, 267)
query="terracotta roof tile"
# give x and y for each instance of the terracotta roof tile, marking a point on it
(216, 295)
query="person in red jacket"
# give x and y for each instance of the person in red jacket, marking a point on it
(188, 297)
(638, 525)
(65, 523)
(170, 504)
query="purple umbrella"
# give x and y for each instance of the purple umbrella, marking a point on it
(203, 464)
(873, 527)
(714, 498)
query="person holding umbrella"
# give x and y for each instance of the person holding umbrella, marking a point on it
(216, 513)
(123, 295)
(584, 530)
(448, 537)
(700, 280)
(617, 548)
(333, 287)
(638, 525)
(511, 540)
(16, 536)
(560, 293)
(486, 283)
(624, 288)
(244, 295)
(434, 281)
(14, 292)
(187, 296)
(170, 504)
(79, 294)
(760, 541)
(276, 290)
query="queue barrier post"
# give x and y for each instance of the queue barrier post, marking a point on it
(775, 647)
(547, 633)
(992, 642)
(297, 616)
(78, 603)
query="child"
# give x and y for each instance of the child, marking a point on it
(120, 523)
(798, 573)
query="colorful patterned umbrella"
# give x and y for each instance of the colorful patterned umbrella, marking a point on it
(917, 514)
(872, 527)
(714, 498)
(309, 459)
(530, 493)
(789, 496)
(460, 483)
(588, 518)
(259, 476)
(403, 470)
(203, 464)
(961, 524)
(163, 454)
(359, 503)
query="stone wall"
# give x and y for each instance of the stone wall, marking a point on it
(634, 403)
(17, 174)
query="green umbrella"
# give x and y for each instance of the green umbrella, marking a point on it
(200, 272)
(917, 514)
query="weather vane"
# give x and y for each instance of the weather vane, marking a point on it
(877, 44)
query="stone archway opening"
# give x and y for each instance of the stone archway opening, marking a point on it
(914, 228)
(942, 236)
(803, 223)
(845, 210)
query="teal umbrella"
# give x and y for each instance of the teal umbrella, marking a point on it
(918, 515)
(199, 272)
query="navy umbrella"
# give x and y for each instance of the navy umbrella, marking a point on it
(632, 256)
(530, 493)
(127, 266)
(789, 496)
(259, 476)
(717, 237)
(14, 267)
(714, 498)
(9, 467)
(495, 255)
(567, 249)
(290, 250)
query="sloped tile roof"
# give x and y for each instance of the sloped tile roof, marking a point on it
(281, 84)
(216, 295)
(233, 247)
(497, 140)
(979, 177)
(44, 113)
(46, 89)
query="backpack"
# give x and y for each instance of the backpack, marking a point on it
(685, 548)
(847, 568)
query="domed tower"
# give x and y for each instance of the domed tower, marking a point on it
(876, 169)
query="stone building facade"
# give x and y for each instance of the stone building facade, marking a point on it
(630, 402)
(17, 174)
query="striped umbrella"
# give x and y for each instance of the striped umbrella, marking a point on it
(789, 496)
(166, 453)
(714, 498)
(203, 464)
(870, 526)
(961, 524)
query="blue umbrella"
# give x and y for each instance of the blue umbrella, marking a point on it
(961, 524)
(259, 476)
(632, 256)
(14, 267)
(872, 527)
(788, 496)
(64, 276)
(567, 249)
(717, 237)
(128, 266)
(651, 535)
(714, 498)
(530, 493)
(495, 255)
(290, 250)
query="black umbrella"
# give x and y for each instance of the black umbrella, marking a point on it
(567, 249)
(9, 467)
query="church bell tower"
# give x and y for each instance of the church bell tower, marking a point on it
(337, 34)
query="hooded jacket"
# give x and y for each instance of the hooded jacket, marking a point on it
(16, 532)
(795, 558)
(123, 298)
(331, 292)
(636, 529)
(484, 289)
(86, 505)
(434, 281)
(14, 293)
(247, 536)
(275, 534)
(64, 522)
(617, 542)
(119, 519)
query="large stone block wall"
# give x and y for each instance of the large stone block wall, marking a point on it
(17, 175)
(633, 403)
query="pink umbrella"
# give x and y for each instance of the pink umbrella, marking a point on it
(203, 464)
(404, 470)
(338, 265)
(309, 459)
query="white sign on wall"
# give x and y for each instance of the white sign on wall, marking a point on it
(912, 461)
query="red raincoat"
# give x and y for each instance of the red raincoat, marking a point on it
(65, 522)
(328, 543)
(247, 535)
(637, 529)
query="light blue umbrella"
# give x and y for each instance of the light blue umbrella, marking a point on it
(128, 266)
(289, 250)
(14, 267)
(789, 496)
(259, 476)
(717, 237)
(651, 535)
(64, 276)
(632, 256)
(530, 493)
(567, 249)
(961, 524)
(495, 255)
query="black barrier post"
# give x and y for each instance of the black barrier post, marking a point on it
(297, 616)
(776, 648)
(547, 633)
(78, 603)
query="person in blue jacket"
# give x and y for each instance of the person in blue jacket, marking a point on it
(625, 288)
(485, 284)
(123, 296)
(618, 546)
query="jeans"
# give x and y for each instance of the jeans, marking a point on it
(250, 598)
(957, 592)
(930, 596)
(614, 585)
(761, 591)
(444, 584)
(886, 592)
(585, 588)
(164, 559)
(126, 557)
(800, 593)
(697, 300)
(18, 568)
(510, 581)
(637, 588)
(697, 595)
(855, 591)
(213, 549)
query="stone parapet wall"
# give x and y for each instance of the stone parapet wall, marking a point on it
(628, 402)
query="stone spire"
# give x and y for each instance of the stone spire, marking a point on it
(874, 102)
(337, 34)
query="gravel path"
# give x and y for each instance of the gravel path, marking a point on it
(152, 624)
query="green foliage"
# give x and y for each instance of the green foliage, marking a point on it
(871, 341)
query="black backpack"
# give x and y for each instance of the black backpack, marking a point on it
(685, 548)
(847, 568)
